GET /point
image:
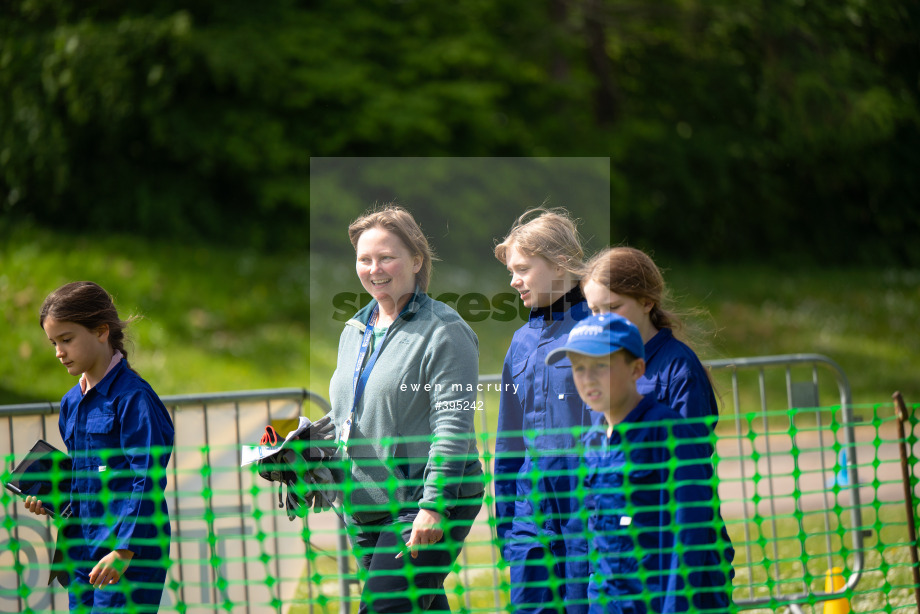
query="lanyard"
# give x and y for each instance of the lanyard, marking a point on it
(359, 381)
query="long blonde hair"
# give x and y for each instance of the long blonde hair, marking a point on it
(552, 234)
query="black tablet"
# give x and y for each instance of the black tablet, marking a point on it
(44, 471)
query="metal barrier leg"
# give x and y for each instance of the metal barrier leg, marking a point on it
(344, 570)
(903, 417)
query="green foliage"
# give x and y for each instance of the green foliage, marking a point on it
(768, 129)
(787, 131)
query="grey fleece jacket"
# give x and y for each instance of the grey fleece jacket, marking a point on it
(413, 440)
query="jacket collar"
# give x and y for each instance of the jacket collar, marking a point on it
(624, 428)
(639, 411)
(106, 383)
(408, 312)
(657, 342)
(573, 301)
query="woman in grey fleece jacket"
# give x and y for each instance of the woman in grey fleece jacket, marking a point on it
(403, 400)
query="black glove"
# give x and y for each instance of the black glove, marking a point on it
(320, 438)
(308, 484)
(297, 502)
(280, 468)
(323, 486)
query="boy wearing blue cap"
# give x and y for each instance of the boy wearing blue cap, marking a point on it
(653, 522)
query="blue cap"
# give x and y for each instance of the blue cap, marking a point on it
(600, 335)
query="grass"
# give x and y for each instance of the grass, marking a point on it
(213, 319)
(856, 317)
(218, 319)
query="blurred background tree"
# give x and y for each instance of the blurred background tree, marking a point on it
(766, 152)
(782, 131)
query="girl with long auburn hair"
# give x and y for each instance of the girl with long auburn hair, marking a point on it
(626, 281)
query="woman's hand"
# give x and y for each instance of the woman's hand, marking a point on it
(110, 568)
(426, 530)
(35, 506)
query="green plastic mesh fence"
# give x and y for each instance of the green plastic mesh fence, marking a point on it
(812, 500)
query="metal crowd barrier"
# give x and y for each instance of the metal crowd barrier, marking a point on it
(781, 391)
(763, 388)
(230, 544)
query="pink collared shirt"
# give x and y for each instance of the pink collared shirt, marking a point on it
(84, 385)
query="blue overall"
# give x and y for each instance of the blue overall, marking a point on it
(675, 377)
(120, 437)
(640, 511)
(536, 465)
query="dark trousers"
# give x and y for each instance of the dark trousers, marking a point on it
(408, 584)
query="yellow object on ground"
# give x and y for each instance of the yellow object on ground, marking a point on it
(833, 582)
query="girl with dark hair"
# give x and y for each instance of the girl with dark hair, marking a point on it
(120, 437)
